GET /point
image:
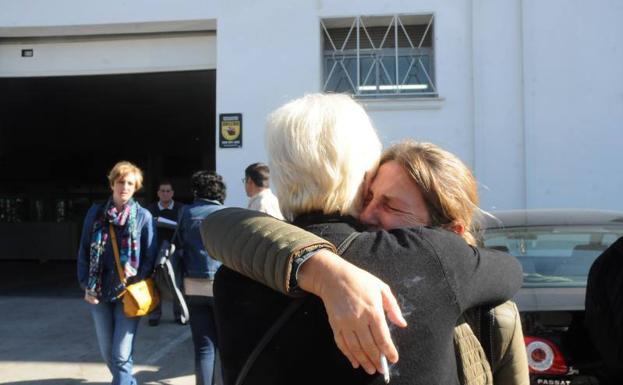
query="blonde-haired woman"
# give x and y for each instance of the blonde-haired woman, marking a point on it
(306, 140)
(97, 273)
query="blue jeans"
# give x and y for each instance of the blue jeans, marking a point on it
(115, 336)
(203, 329)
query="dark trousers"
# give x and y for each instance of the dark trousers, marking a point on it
(203, 329)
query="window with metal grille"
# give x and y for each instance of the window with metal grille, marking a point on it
(379, 56)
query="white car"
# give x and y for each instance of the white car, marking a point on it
(556, 249)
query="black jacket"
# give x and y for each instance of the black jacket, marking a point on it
(165, 234)
(604, 310)
(434, 273)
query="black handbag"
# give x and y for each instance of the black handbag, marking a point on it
(164, 278)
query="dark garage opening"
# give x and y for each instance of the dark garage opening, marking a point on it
(59, 136)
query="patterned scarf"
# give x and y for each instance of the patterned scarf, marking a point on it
(127, 237)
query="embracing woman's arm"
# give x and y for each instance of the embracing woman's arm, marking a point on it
(264, 248)
(258, 245)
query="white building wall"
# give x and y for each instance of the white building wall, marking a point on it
(267, 55)
(498, 104)
(573, 63)
(448, 122)
(262, 65)
(531, 92)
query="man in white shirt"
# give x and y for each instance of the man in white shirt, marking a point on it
(256, 184)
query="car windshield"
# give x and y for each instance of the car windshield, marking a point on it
(554, 256)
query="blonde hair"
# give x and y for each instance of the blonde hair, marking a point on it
(320, 147)
(123, 168)
(447, 185)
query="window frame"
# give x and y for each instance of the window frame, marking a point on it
(396, 84)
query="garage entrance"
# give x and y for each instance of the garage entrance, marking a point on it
(59, 136)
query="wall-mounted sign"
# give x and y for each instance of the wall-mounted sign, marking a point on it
(230, 130)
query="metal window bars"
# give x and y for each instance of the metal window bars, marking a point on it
(377, 57)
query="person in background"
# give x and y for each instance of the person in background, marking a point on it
(604, 311)
(168, 209)
(199, 269)
(97, 271)
(257, 186)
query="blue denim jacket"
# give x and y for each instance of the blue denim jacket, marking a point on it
(196, 261)
(147, 250)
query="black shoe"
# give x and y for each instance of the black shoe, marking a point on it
(154, 322)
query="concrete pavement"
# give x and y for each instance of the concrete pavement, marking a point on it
(47, 335)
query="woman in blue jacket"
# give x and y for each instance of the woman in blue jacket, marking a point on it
(97, 274)
(199, 269)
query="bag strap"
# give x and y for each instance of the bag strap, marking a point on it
(283, 318)
(115, 250)
(346, 242)
(176, 233)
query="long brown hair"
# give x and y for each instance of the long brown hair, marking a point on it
(447, 185)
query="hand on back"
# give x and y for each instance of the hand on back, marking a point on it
(356, 302)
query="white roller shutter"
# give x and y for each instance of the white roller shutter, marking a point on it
(93, 55)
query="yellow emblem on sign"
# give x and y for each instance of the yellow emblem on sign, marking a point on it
(230, 130)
